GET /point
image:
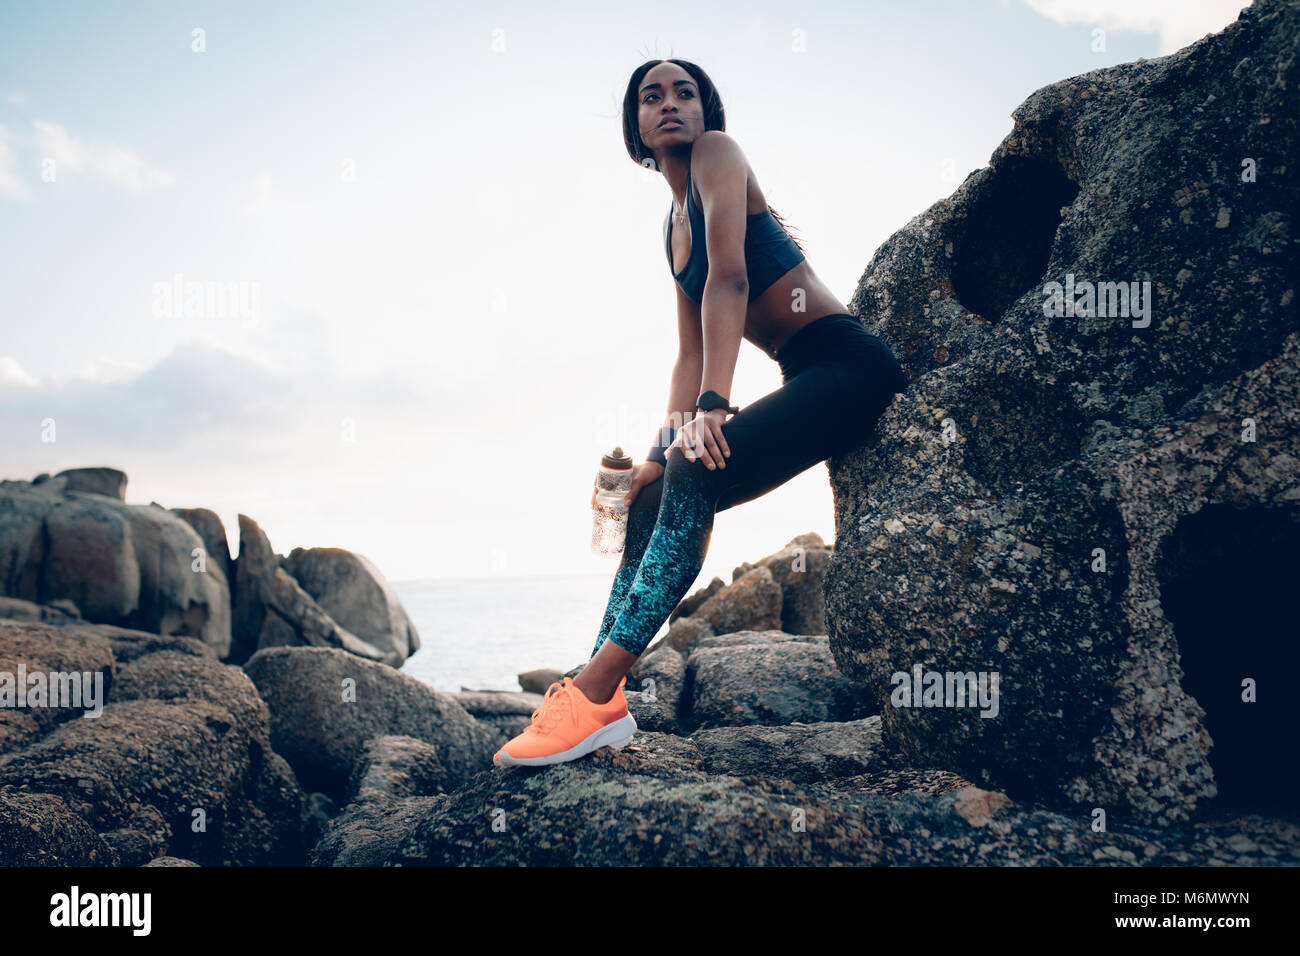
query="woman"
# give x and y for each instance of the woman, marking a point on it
(738, 274)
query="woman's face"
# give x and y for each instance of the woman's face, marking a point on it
(669, 111)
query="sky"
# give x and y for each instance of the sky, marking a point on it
(433, 283)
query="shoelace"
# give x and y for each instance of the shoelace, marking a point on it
(557, 695)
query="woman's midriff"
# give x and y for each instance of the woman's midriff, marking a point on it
(770, 321)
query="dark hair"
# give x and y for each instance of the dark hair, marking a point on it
(714, 116)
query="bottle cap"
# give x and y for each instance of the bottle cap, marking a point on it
(616, 459)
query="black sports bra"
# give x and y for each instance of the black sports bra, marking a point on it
(769, 251)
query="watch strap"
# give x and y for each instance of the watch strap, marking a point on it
(710, 400)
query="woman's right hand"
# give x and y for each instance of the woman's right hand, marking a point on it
(642, 475)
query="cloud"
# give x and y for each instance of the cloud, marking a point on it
(288, 390)
(108, 369)
(10, 184)
(1176, 22)
(13, 375)
(114, 164)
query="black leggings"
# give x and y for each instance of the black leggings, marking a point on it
(838, 379)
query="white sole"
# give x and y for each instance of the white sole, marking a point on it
(616, 735)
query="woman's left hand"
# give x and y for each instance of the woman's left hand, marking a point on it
(702, 438)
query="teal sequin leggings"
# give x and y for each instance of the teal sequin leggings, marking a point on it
(838, 380)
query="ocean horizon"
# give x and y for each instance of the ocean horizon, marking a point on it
(481, 633)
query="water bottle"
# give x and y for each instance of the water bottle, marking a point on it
(609, 524)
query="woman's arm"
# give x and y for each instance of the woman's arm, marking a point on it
(721, 171)
(684, 388)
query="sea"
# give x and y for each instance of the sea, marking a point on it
(481, 633)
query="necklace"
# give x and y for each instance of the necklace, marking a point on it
(680, 211)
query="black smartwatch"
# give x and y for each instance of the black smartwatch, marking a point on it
(710, 400)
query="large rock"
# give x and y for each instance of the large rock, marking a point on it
(38, 829)
(210, 528)
(691, 603)
(23, 507)
(353, 592)
(99, 481)
(120, 564)
(770, 678)
(394, 766)
(48, 651)
(177, 595)
(327, 704)
(371, 832)
(90, 559)
(255, 569)
(537, 681)
(272, 609)
(313, 626)
(178, 758)
(659, 675)
(1101, 509)
(506, 712)
(799, 569)
(751, 602)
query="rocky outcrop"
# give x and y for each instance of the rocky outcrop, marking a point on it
(174, 755)
(394, 777)
(254, 580)
(273, 609)
(295, 618)
(768, 677)
(73, 547)
(506, 712)
(799, 570)
(56, 612)
(536, 681)
(783, 591)
(210, 528)
(326, 705)
(354, 593)
(126, 565)
(108, 482)
(659, 802)
(38, 829)
(1100, 446)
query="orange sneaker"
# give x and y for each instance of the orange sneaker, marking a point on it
(568, 726)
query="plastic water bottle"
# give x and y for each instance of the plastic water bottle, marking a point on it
(609, 524)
